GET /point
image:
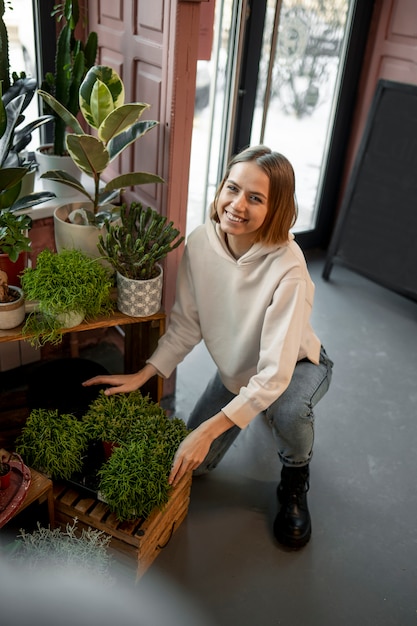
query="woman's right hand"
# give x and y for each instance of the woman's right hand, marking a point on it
(123, 383)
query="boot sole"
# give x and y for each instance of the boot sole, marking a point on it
(293, 543)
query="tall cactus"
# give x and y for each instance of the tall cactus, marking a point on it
(72, 61)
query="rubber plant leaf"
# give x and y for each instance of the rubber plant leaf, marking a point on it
(59, 176)
(122, 140)
(108, 196)
(88, 153)
(32, 199)
(10, 176)
(22, 136)
(131, 179)
(8, 196)
(101, 104)
(3, 118)
(120, 120)
(108, 77)
(69, 119)
(13, 111)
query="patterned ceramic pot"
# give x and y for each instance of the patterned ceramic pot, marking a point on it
(139, 298)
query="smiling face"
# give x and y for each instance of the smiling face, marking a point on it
(242, 205)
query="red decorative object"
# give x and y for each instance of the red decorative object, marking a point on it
(12, 497)
(5, 477)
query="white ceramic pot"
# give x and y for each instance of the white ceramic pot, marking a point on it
(81, 237)
(70, 319)
(48, 162)
(139, 298)
(12, 314)
(28, 184)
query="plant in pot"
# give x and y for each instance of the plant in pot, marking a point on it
(67, 287)
(14, 226)
(14, 242)
(135, 246)
(117, 125)
(16, 137)
(17, 93)
(12, 304)
(134, 480)
(72, 61)
(53, 443)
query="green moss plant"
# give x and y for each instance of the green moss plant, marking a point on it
(53, 443)
(65, 282)
(134, 480)
(114, 418)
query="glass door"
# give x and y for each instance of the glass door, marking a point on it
(299, 72)
(283, 73)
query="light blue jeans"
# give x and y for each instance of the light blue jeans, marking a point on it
(291, 417)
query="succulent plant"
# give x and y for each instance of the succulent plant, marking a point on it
(138, 241)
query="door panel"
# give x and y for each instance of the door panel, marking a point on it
(133, 40)
(154, 45)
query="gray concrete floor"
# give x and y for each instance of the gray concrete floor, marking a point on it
(360, 565)
(222, 567)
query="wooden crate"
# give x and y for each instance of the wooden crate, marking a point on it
(142, 539)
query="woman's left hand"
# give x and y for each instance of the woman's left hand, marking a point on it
(190, 454)
(195, 447)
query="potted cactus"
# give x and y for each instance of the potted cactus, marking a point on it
(72, 61)
(134, 246)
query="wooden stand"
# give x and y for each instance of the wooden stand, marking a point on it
(40, 490)
(141, 338)
(142, 539)
(141, 335)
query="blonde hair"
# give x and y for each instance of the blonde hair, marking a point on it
(282, 208)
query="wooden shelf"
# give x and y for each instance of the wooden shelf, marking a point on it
(141, 335)
(115, 319)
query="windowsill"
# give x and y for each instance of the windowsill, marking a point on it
(46, 209)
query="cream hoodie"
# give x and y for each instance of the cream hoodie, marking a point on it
(253, 314)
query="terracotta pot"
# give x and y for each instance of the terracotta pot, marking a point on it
(48, 162)
(12, 314)
(139, 298)
(108, 447)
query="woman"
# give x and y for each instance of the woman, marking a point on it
(243, 287)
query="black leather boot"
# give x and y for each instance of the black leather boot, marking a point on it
(292, 526)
